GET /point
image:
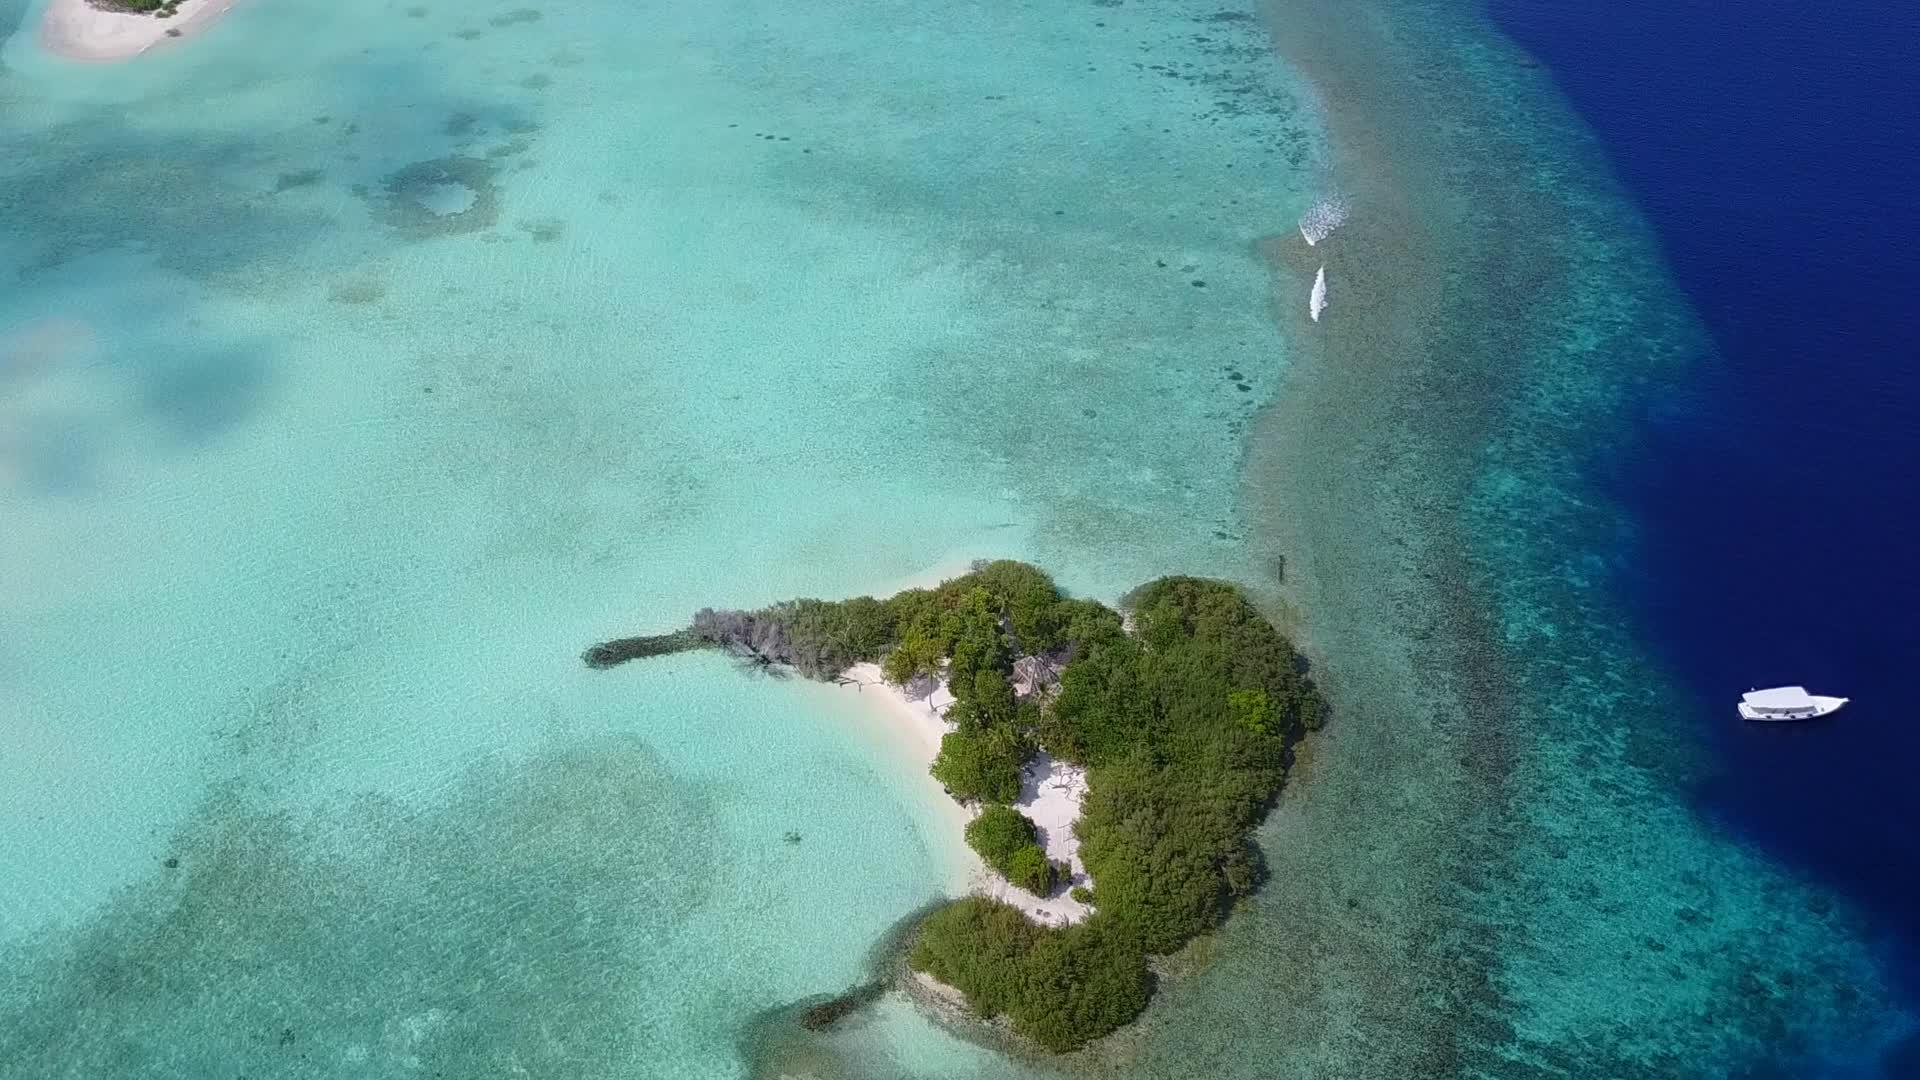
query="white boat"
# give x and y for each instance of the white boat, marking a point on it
(1787, 703)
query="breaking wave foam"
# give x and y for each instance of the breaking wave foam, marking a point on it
(1322, 218)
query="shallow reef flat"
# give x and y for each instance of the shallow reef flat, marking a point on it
(1494, 869)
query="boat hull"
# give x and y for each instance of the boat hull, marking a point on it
(1822, 706)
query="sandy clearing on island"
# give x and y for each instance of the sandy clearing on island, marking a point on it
(1050, 794)
(77, 30)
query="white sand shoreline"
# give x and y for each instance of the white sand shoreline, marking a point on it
(77, 30)
(1050, 794)
(911, 732)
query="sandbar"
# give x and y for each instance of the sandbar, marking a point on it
(77, 30)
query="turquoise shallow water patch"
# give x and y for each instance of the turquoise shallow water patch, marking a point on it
(355, 381)
(590, 883)
(377, 937)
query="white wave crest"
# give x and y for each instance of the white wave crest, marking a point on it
(1322, 218)
(1317, 299)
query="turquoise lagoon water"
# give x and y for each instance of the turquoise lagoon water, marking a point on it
(360, 363)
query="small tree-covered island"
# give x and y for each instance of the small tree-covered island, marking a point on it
(159, 9)
(1183, 713)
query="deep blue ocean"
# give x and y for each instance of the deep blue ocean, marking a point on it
(1773, 146)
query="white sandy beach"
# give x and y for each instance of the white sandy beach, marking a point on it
(1050, 794)
(77, 30)
(920, 718)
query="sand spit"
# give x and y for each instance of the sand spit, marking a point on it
(1050, 793)
(77, 30)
